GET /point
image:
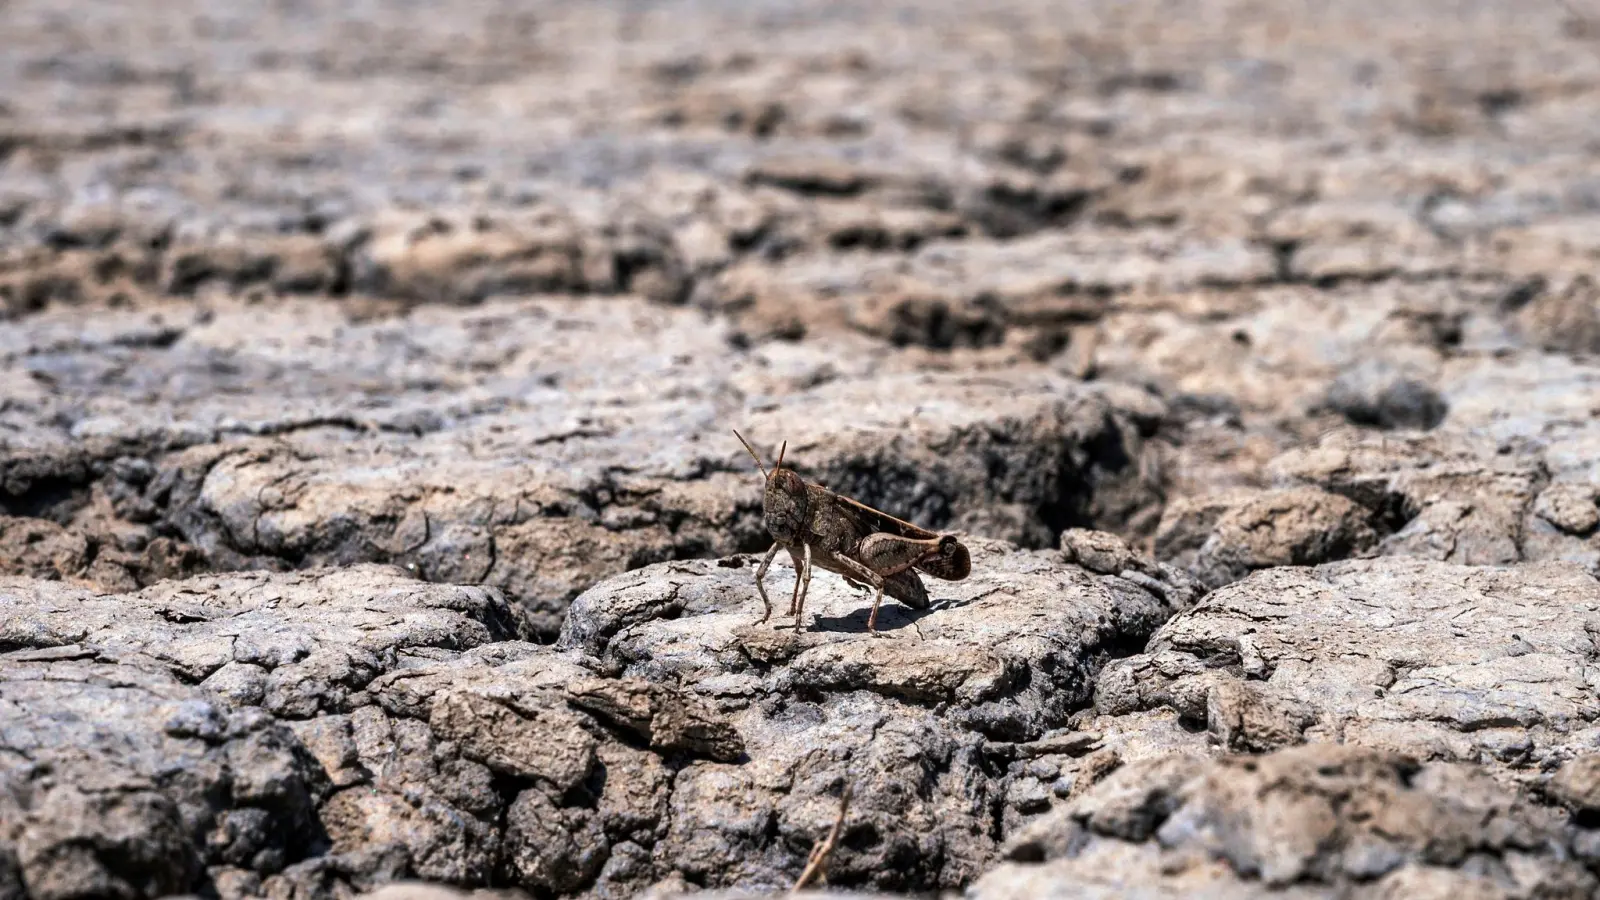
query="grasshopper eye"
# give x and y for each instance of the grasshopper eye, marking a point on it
(947, 545)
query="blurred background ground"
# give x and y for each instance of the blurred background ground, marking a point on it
(319, 249)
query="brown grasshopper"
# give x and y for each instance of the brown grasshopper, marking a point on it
(868, 547)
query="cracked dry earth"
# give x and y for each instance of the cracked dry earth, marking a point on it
(371, 524)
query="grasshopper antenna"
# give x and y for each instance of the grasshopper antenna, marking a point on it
(780, 456)
(754, 455)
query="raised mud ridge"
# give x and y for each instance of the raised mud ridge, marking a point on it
(371, 521)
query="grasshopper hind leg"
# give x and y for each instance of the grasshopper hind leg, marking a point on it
(903, 586)
(872, 620)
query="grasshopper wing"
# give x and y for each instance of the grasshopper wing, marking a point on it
(876, 520)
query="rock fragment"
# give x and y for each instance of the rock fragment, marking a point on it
(1443, 662)
(1313, 821)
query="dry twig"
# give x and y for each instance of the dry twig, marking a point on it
(819, 853)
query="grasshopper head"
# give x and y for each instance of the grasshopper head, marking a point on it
(783, 506)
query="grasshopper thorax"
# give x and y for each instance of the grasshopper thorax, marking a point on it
(784, 506)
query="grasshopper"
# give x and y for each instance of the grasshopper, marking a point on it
(868, 547)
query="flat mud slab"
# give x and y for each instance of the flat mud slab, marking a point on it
(370, 510)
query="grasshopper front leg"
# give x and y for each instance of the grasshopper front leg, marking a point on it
(761, 577)
(802, 585)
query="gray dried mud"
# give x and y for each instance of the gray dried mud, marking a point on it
(371, 522)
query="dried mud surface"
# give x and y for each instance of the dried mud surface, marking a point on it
(371, 524)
